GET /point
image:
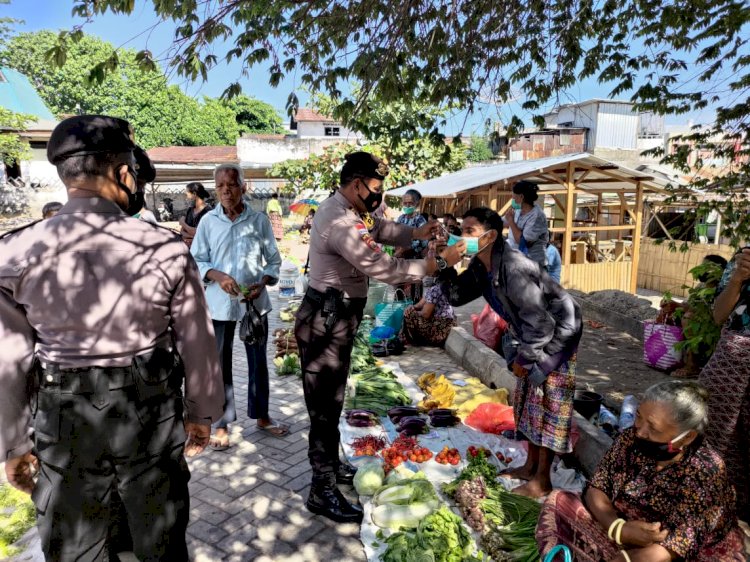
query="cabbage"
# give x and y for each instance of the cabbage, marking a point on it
(369, 478)
(398, 474)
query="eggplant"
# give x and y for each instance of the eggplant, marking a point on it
(401, 411)
(412, 425)
(442, 412)
(444, 421)
(362, 418)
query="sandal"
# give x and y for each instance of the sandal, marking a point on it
(219, 443)
(275, 429)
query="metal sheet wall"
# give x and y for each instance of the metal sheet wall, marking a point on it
(617, 127)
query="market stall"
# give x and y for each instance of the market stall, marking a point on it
(594, 206)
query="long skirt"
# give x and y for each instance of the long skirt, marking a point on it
(565, 520)
(422, 331)
(545, 417)
(727, 378)
(277, 225)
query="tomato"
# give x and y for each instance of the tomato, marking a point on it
(454, 461)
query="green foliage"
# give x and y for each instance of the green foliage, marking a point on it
(701, 331)
(255, 116)
(13, 149)
(674, 57)
(96, 78)
(17, 515)
(479, 150)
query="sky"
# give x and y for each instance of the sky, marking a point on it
(137, 31)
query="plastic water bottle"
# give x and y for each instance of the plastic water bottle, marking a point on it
(627, 414)
(607, 420)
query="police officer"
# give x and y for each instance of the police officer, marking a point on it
(98, 311)
(344, 251)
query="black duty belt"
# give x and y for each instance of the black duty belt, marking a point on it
(318, 298)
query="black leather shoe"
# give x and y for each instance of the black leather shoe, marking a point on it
(327, 500)
(345, 474)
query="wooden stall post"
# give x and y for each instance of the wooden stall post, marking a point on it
(636, 237)
(569, 212)
(493, 197)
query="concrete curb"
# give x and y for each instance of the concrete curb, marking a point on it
(481, 362)
(613, 319)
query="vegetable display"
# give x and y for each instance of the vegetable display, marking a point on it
(376, 389)
(285, 342)
(362, 418)
(288, 314)
(404, 448)
(369, 479)
(478, 466)
(469, 495)
(369, 445)
(404, 504)
(448, 456)
(443, 417)
(440, 537)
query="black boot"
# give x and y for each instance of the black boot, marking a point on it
(345, 474)
(327, 500)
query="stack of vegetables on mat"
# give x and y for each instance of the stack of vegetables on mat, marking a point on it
(439, 392)
(376, 388)
(439, 537)
(506, 521)
(407, 420)
(361, 418)
(287, 358)
(403, 449)
(403, 504)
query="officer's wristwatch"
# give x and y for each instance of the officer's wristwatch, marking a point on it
(441, 263)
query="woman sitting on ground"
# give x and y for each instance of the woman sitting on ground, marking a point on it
(660, 493)
(430, 320)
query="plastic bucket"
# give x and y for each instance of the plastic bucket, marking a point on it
(287, 276)
(587, 403)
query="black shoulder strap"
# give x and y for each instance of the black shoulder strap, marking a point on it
(20, 228)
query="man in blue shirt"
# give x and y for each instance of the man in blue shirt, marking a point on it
(234, 248)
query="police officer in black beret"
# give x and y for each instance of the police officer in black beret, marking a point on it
(104, 323)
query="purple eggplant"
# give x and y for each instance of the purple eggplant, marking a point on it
(412, 425)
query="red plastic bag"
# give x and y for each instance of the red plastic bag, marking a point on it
(491, 417)
(489, 327)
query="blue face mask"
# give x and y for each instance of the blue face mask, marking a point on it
(408, 210)
(472, 243)
(515, 204)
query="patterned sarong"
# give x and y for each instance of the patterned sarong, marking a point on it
(277, 225)
(727, 378)
(421, 331)
(565, 520)
(545, 419)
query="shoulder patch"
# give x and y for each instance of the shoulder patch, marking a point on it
(366, 237)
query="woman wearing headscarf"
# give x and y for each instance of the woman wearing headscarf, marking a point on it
(527, 223)
(544, 328)
(727, 378)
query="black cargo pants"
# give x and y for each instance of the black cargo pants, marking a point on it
(106, 432)
(325, 358)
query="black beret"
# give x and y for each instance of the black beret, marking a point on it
(89, 134)
(144, 167)
(364, 164)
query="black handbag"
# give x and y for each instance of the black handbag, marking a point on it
(384, 348)
(252, 330)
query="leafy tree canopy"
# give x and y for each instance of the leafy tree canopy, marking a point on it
(13, 149)
(674, 57)
(479, 150)
(162, 115)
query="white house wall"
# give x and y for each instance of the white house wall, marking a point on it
(617, 127)
(316, 129)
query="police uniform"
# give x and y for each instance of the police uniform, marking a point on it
(343, 253)
(104, 315)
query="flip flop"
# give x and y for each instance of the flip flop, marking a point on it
(276, 429)
(218, 444)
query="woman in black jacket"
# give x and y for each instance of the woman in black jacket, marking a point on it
(544, 328)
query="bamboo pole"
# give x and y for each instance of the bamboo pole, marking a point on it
(569, 212)
(636, 249)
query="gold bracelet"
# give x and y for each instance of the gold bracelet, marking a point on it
(612, 528)
(618, 533)
(626, 556)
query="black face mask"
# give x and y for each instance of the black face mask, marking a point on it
(658, 451)
(135, 200)
(372, 201)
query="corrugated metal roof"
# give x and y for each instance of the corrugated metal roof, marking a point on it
(18, 95)
(450, 185)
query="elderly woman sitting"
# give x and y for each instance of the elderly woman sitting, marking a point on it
(660, 493)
